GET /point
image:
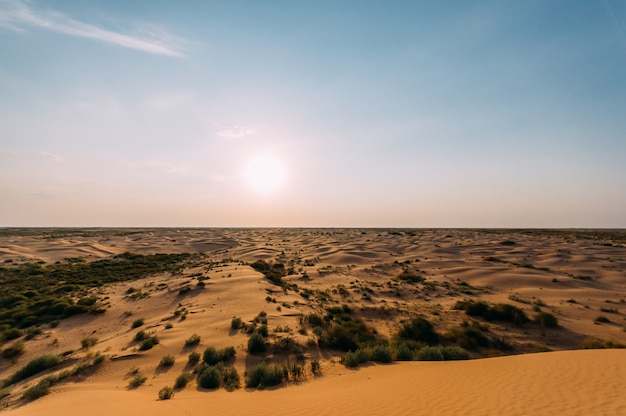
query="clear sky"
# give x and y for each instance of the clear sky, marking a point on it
(313, 113)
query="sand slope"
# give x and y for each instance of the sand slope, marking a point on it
(563, 383)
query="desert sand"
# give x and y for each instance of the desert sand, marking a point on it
(576, 275)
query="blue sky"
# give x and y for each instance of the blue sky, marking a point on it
(364, 113)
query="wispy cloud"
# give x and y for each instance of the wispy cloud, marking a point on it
(19, 15)
(234, 132)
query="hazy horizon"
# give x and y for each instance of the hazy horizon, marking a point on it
(401, 114)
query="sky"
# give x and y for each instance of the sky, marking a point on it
(313, 113)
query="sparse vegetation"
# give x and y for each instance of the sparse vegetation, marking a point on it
(136, 323)
(182, 380)
(137, 381)
(88, 342)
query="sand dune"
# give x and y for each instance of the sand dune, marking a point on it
(575, 276)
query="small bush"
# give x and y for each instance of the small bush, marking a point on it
(137, 381)
(419, 329)
(182, 380)
(405, 353)
(265, 375)
(210, 378)
(167, 361)
(88, 342)
(382, 354)
(602, 320)
(192, 341)
(429, 353)
(148, 343)
(137, 323)
(256, 344)
(141, 335)
(194, 358)
(166, 393)
(236, 323)
(315, 367)
(231, 379)
(99, 359)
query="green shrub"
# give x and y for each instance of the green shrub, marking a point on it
(193, 358)
(405, 353)
(141, 335)
(382, 354)
(419, 329)
(236, 323)
(212, 356)
(256, 343)
(210, 378)
(182, 380)
(265, 375)
(231, 379)
(166, 393)
(429, 353)
(469, 336)
(315, 366)
(503, 312)
(167, 361)
(453, 352)
(192, 341)
(99, 359)
(602, 319)
(38, 390)
(148, 343)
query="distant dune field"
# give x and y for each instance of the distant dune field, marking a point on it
(540, 314)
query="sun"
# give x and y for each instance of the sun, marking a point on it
(264, 173)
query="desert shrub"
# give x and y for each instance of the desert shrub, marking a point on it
(182, 380)
(441, 353)
(13, 351)
(546, 320)
(265, 375)
(210, 378)
(88, 342)
(410, 277)
(38, 390)
(231, 379)
(453, 352)
(166, 393)
(273, 272)
(256, 343)
(429, 353)
(468, 335)
(382, 354)
(405, 353)
(137, 381)
(602, 320)
(608, 310)
(169, 325)
(315, 366)
(471, 307)
(262, 330)
(99, 359)
(141, 335)
(503, 312)
(419, 329)
(192, 340)
(212, 356)
(148, 343)
(236, 323)
(136, 323)
(167, 361)
(33, 367)
(193, 358)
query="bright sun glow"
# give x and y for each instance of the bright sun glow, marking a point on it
(264, 173)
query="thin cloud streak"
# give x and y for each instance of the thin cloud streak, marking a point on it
(16, 14)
